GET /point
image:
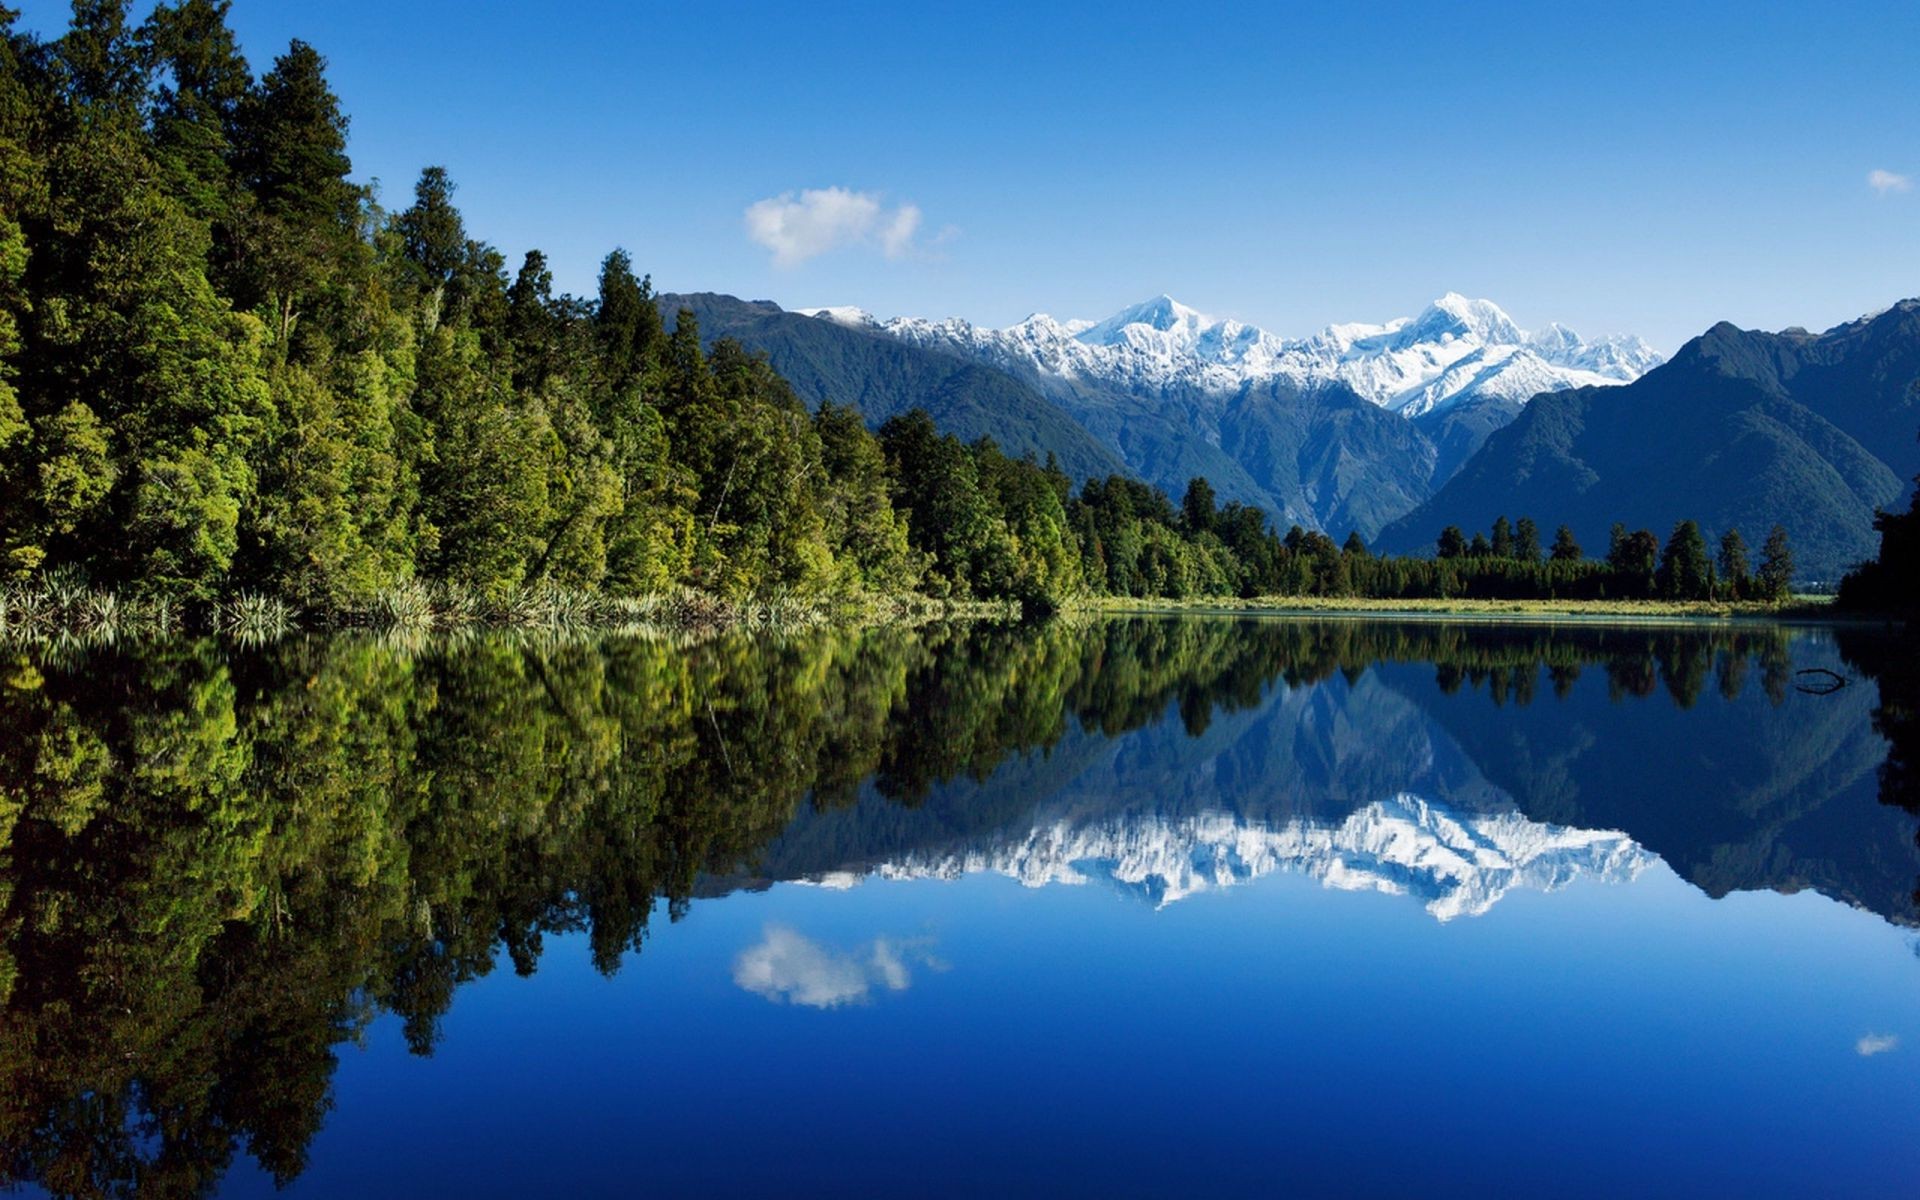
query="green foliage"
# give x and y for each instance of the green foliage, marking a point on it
(1686, 571)
(1775, 577)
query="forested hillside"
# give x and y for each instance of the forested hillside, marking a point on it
(884, 378)
(1742, 429)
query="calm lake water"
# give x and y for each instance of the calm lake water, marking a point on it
(1140, 907)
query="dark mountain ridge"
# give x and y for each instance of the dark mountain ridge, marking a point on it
(883, 377)
(1741, 429)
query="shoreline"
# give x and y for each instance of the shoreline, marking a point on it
(1816, 611)
(85, 614)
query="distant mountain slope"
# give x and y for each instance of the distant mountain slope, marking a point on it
(1343, 430)
(1742, 429)
(884, 377)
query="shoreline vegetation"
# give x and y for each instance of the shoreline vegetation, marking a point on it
(66, 610)
(1796, 608)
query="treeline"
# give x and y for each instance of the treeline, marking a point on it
(1891, 582)
(1637, 565)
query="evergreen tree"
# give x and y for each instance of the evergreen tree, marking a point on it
(1735, 572)
(1686, 571)
(1197, 508)
(433, 236)
(1502, 546)
(1453, 543)
(292, 153)
(1775, 577)
(1565, 549)
(1526, 541)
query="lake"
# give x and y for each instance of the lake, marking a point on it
(1130, 906)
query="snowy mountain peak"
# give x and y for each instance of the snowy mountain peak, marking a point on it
(842, 314)
(1162, 314)
(1455, 316)
(1456, 348)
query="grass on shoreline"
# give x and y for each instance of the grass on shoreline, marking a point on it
(1797, 607)
(65, 610)
(62, 609)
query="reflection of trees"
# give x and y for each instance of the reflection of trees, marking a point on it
(1894, 663)
(215, 867)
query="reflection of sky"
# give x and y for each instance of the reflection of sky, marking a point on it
(1635, 1039)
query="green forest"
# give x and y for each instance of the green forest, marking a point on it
(227, 369)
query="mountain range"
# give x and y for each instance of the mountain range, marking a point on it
(1346, 429)
(1395, 430)
(1742, 429)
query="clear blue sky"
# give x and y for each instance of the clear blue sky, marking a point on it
(1648, 168)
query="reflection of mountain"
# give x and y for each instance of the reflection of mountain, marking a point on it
(1495, 773)
(1459, 864)
(1736, 792)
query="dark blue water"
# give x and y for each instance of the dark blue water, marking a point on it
(1137, 908)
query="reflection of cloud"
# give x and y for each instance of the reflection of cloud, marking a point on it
(788, 966)
(1875, 1043)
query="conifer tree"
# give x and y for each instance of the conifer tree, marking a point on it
(1565, 549)
(1775, 576)
(1735, 572)
(1526, 541)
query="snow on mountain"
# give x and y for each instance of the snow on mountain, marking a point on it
(844, 314)
(1456, 348)
(1458, 864)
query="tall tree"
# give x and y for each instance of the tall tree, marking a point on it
(1198, 508)
(1735, 571)
(1502, 538)
(1565, 549)
(1775, 577)
(292, 152)
(1526, 541)
(1686, 570)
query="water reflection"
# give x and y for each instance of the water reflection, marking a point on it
(220, 866)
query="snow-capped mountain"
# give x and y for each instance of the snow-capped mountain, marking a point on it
(1454, 349)
(1457, 863)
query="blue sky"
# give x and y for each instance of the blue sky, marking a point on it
(1644, 168)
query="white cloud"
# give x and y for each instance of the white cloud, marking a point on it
(788, 966)
(1885, 182)
(798, 226)
(1875, 1043)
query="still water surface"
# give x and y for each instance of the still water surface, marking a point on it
(1138, 907)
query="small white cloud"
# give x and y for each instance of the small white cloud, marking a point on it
(1886, 182)
(1875, 1043)
(786, 966)
(798, 226)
